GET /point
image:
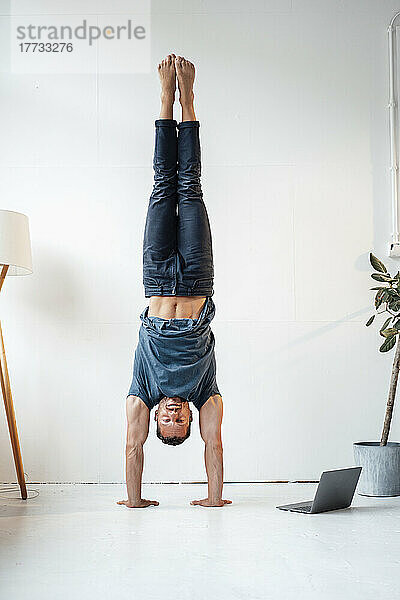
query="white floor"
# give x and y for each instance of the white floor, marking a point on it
(73, 541)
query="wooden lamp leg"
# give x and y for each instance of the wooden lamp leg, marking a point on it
(8, 403)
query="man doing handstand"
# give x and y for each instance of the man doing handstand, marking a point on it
(174, 359)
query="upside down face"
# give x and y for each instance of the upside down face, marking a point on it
(173, 418)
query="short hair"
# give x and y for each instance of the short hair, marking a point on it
(173, 440)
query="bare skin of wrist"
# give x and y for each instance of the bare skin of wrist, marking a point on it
(210, 429)
(138, 427)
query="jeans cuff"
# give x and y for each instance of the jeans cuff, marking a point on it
(184, 124)
(165, 123)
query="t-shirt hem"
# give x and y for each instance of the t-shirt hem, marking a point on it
(138, 394)
(199, 404)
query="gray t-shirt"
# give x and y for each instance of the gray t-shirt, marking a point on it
(175, 357)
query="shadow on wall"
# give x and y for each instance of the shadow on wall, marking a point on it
(330, 326)
(362, 264)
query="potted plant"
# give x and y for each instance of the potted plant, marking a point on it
(380, 461)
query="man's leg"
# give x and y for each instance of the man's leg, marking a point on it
(159, 243)
(194, 242)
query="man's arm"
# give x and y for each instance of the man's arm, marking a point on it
(210, 430)
(138, 416)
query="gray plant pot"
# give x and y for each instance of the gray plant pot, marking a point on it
(380, 475)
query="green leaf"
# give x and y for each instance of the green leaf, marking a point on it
(397, 324)
(386, 323)
(368, 323)
(384, 278)
(378, 288)
(379, 297)
(388, 344)
(387, 333)
(393, 305)
(377, 264)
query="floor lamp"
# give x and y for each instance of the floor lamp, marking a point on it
(15, 259)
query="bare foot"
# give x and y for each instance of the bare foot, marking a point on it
(185, 74)
(167, 73)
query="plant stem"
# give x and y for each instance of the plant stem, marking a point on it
(392, 395)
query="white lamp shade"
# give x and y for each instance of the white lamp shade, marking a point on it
(15, 243)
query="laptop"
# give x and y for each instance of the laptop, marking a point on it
(335, 490)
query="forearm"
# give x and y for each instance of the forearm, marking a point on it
(134, 470)
(213, 456)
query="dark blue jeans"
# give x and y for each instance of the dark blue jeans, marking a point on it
(177, 245)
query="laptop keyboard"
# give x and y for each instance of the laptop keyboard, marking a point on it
(305, 507)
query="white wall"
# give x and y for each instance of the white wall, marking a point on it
(292, 99)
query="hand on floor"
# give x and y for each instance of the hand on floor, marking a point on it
(210, 503)
(139, 504)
